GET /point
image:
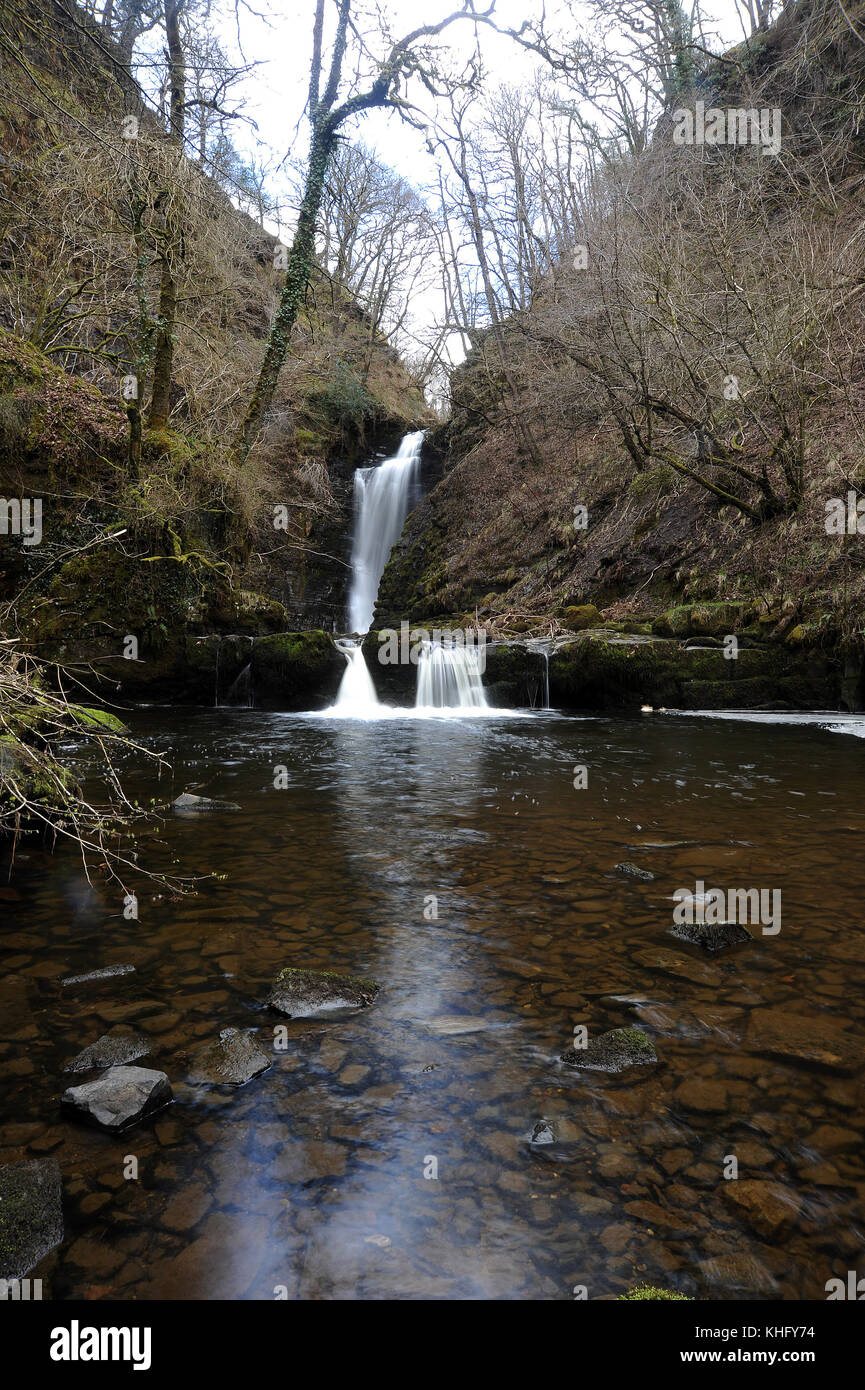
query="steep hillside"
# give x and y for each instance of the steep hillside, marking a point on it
(182, 543)
(706, 267)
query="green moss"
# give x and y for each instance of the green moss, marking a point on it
(641, 1293)
(97, 719)
(578, 617)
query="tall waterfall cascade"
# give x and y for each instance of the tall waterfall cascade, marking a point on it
(448, 673)
(382, 494)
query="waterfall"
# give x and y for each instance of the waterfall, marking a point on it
(356, 695)
(382, 494)
(449, 677)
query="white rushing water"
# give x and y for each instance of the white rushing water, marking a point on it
(449, 680)
(449, 677)
(381, 500)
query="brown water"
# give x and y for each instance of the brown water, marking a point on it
(311, 1179)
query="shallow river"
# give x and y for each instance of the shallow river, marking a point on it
(388, 1154)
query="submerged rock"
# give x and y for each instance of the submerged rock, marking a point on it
(119, 1098)
(111, 1050)
(234, 1059)
(712, 936)
(188, 802)
(108, 972)
(815, 1038)
(543, 1133)
(614, 1051)
(319, 993)
(634, 871)
(31, 1214)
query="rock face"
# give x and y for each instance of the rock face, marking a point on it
(319, 993)
(31, 1215)
(189, 803)
(712, 936)
(296, 670)
(111, 1050)
(107, 973)
(119, 1098)
(614, 1051)
(233, 1060)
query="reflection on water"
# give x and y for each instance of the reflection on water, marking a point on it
(455, 862)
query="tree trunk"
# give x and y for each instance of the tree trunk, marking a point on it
(160, 401)
(301, 260)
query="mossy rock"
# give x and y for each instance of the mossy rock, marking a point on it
(615, 672)
(97, 719)
(296, 670)
(579, 617)
(642, 1293)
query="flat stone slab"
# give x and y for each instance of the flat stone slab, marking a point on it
(191, 803)
(675, 963)
(231, 1061)
(614, 1051)
(319, 993)
(31, 1214)
(712, 936)
(814, 1038)
(111, 1050)
(120, 1097)
(108, 972)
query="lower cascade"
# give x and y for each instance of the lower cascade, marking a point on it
(449, 677)
(356, 693)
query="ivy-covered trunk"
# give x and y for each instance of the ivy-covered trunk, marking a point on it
(163, 365)
(301, 259)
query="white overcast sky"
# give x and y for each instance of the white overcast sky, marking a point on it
(274, 95)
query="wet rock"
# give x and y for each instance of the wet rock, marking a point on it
(740, 1272)
(235, 1059)
(634, 871)
(190, 803)
(543, 1133)
(768, 1208)
(683, 967)
(712, 936)
(31, 1214)
(108, 972)
(319, 993)
(111, 1050)
(796, 1037)
(120, 1097)
(614, 1051)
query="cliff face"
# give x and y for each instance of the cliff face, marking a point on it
(186, 544)
(522, 546)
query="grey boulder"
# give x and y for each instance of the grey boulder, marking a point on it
(233, 1060)
(111, 1050)
(120, 1097)
(319, 993)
